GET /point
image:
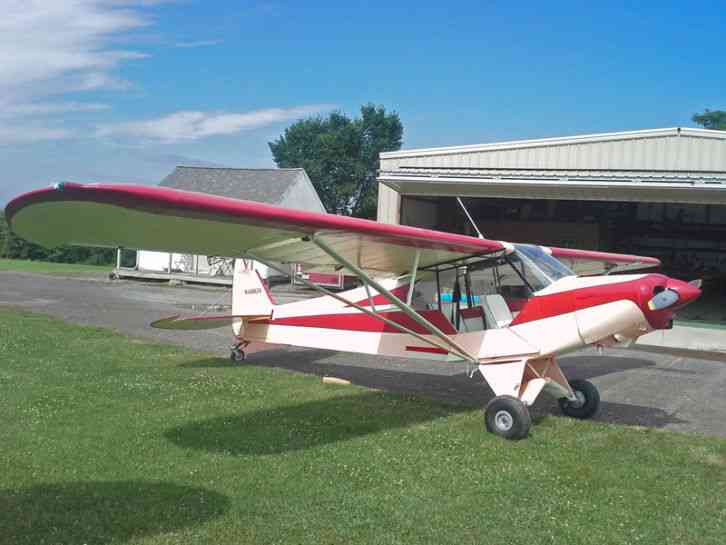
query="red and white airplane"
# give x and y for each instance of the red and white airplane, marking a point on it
(505, 309)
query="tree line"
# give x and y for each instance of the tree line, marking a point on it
(14, 247)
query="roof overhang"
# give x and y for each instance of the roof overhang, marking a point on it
(665, 189)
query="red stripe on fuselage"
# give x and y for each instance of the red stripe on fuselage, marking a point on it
(364, 322)
(427, 349)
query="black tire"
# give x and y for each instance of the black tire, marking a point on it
(237, 356)
(507, 417)
(589, 400)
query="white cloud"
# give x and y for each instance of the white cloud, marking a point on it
(51, 47)
(199, 43)
(49, 108)
(20, 134)
(193, 125)
(56, 41)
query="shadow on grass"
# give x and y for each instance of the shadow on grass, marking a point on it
(458, 388)
(307, 425)
(102, 512)
(208, 363)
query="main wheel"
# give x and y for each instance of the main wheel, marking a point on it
(588, 400)
(508, 417)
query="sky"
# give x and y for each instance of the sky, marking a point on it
(124, 90)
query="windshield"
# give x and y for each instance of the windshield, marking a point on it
(538, 267)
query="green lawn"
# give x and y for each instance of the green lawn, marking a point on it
(109, 440)
(52, 268)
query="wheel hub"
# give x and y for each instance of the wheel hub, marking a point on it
(503, 421)
(579, 400)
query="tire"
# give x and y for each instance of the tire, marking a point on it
(507, 417)
(237, 356)
(589, 400)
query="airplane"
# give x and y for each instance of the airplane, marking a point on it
(507, 310)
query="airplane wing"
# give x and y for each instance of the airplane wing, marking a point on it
(164, 219)
(587, 262)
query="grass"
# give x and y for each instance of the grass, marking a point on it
(108, 440)
(51, 268)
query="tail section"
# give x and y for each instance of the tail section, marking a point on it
(250, 296)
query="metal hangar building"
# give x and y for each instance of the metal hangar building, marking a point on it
(659, 192)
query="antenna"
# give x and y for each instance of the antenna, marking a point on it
(478, 232)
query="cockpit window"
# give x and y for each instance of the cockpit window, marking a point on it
(538, 267)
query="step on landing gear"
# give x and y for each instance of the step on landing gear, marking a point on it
(237, 353)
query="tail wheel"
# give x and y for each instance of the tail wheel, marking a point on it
(237, 355)
(587, 403)
(507, 417)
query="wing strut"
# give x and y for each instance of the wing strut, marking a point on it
(460, 353)
(406, 309)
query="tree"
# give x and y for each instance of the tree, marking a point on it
(341, 155)
(12, 246)
(715, 119)
(3, 233)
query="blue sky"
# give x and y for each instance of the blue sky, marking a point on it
(123, 90)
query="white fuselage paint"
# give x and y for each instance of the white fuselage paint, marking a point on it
(543, 337)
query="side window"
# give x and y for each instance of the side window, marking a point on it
(484, 281)
(512, 284)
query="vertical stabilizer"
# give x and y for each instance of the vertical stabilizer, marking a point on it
(250, 295)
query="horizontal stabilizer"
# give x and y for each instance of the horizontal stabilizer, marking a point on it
(191, 323)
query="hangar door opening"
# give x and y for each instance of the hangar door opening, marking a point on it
(689, 239)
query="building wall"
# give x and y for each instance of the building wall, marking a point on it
(302, 196)
(688, 151)
(389, 205)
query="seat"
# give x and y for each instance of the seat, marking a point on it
(496, 311)
(472, 319)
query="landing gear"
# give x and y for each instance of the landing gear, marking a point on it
(237, 353)
(507, 417)
(588, 400)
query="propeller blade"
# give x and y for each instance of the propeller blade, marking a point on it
(696, 283)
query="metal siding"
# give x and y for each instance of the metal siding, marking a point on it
(680, 153)
(687, 152)
(389, 205)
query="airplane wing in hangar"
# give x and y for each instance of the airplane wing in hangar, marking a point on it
(164, 219)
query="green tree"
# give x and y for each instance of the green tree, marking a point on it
(12, 246)
(3, 234)
(341, 155)
(715, 119)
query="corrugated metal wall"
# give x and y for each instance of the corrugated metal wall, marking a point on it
(657, 153)
(685, 154)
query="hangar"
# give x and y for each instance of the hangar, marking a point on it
(659, 192)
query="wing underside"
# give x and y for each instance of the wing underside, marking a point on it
(154, 218)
